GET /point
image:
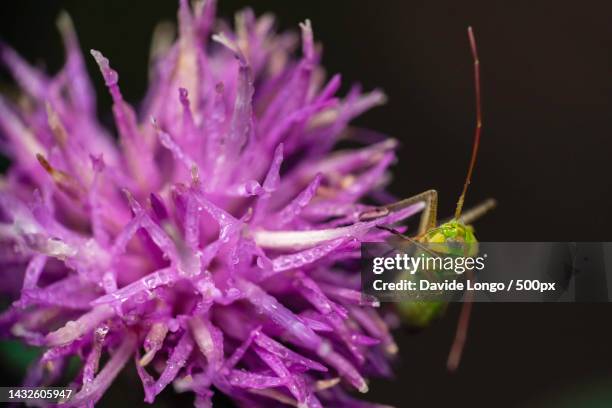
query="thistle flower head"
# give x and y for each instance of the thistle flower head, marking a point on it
(216, 243)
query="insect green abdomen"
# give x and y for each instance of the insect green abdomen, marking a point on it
(451, 239)
(418, 313)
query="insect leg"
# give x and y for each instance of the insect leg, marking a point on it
(429, 214)
(478, 211)
(454, 356)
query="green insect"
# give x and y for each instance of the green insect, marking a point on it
(447, 236)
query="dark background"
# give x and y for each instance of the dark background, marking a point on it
(545, 153)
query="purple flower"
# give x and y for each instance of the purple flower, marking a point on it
(216, 243)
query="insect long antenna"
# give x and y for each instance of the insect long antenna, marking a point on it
(478, 123)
